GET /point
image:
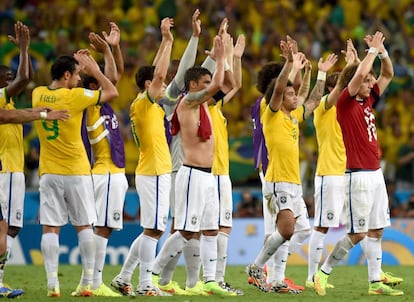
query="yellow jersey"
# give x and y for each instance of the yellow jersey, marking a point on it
(11, 139)
(61, 148)
(147, 123)
(221, 140)
(281, 133)
(331, 149)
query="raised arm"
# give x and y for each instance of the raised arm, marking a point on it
(22, 40)
(114, 39)
(99, 45)
(319, 88)
(303, 91)
(190, 53)
(237, 67)
(281, 81)
(91, 68)
(374, 43)
(351, 57)
(387, 69)
(161, 67)
(295, 76)
(196, 98)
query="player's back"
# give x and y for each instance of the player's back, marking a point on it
(61, 147)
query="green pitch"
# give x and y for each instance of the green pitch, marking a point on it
(350, 284)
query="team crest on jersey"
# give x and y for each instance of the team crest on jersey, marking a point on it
(361, 222)
(194, 220)
(227, 215)
(116, 215)
(283, 199)
(330, 215)
(19, 215)
(294, 121)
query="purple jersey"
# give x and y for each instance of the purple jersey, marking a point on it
(259, 146)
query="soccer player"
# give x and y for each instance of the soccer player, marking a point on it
(196, 202)
(220, 167)
(66, 189)
(106, 152)
(282, 188)
(276, 265)
(152, 175)
(12, 182)
(366, 195)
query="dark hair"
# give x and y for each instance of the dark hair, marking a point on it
(144, 73)
(269, 91)
(266, 74)
(194, 74)
(348, 73)
(88, 80)
(331, 80)
(61, 65)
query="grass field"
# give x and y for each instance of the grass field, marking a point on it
(350, 284)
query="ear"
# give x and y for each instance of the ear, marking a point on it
(67, 75)
(193, 84)
(147, 84)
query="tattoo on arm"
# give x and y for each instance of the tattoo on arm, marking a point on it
(196, 97)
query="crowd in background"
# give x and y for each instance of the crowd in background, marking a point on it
(62, 26)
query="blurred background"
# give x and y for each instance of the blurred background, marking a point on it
(62, 26)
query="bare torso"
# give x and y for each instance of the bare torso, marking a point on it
(197, 152)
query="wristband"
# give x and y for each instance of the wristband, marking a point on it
(43, 115)
(373, 50)
(321, 75)
(383, 55)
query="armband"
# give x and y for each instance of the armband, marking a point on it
(383, 55)
(321, 76)
(43, 115)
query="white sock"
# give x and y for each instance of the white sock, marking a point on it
(342, 247)
(131, 261)
(279, 262)
(192, 262)
(173, 245)
(147, 253)
(269, 248)
(222, 240)
(100, 245)
(270, 270)
(168, 270)
(297, 240)
(373, 252)
(10, 241)
(87, 252)
(49, 246)
(208, 254)
(316, 243)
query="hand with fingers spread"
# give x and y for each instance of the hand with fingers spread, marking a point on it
(325, 65)
(114, 36)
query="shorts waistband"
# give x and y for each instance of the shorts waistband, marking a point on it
(207, 170)
(358, 170)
